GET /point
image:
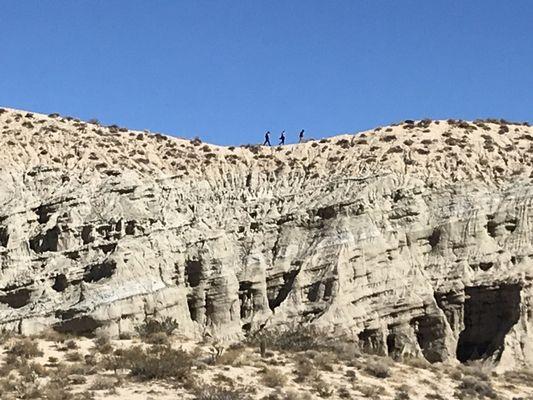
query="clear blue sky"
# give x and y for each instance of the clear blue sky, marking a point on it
(229, 70)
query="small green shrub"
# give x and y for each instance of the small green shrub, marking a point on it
(157, 362)
(153, 326)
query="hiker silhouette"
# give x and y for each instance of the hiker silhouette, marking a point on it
(301, 136)
(267, 139)
(282, 138)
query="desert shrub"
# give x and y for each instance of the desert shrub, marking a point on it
(160, 338)
(196, 141)
(305, 370)
(370, 391)
(73, 356)
(231, 356)
(272, 377)
(344, 143)
(473, 387)
(211, 392)
(503, 129)
(102, 344)
(434, 396)
(295, 338)
(395, 149)
(378, 367)
(103, 383)
(157, 362)
(252, 148)
(388, 138)
(152, 326)
(25, 348)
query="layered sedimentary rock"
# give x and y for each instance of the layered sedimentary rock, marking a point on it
(413, 239)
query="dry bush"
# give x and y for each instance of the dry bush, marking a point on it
(322, 389)
(152, 326)
(417, 362)
(73, 356)
(521, 376)
(370, 391)
(211, 392)
(103, 383)
(378, 367)
(473, 387)
(232, 356)
(402, 393)
(305, 369)
(272, 377)
(25, 348)
(157, 362)
(102, 344)
(296, 338)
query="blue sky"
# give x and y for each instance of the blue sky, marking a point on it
(229, 70)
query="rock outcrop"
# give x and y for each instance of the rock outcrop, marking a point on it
(414, 239)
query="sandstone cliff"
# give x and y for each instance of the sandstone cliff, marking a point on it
(415, 239)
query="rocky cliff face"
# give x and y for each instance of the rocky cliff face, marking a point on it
(414, 239)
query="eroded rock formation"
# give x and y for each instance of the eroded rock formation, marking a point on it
(414, 239)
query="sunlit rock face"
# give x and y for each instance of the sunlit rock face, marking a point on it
(415, 240)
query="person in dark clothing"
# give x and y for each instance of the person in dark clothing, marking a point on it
(267, 139)
(301, 136)
(282, 138)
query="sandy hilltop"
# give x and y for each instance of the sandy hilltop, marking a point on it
(394, 263)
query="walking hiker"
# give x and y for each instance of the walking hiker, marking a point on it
(301, 136)
(267, 139)
(282, 139)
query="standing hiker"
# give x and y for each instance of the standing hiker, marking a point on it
(301, 136)
(282, 139)
(267, 139)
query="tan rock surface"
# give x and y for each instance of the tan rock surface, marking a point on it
(415, 238)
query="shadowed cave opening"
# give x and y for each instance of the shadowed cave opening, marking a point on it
(60, 283)
(4, 236)
(284, 290)
(489, 314)
(47, 241)
(101, 271)
(83, 325)
(16, 298)
(193, 272)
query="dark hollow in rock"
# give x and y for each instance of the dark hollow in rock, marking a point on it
(100, 271)
(247, 298)
(284, 290)
(4, 236)
(193, 272)
(43, 213)
(87, 234)
(83, 325)
(60, 283)
(489, 314)
(47, 241)
(326, 212)
(372, 341)
(16, 299)
(431, 337)
(434, 238)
